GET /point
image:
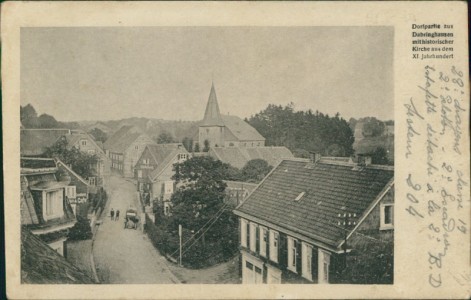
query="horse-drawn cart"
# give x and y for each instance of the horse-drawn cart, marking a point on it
(131, 219)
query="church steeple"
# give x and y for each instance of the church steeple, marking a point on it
(212, 116)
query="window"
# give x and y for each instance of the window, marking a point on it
(92, 181)
(253, 237)
(181, 156)
(292, 253)
(146, 161)
(139, 173)
(53, 204)
(386, 216)
(252, 272)
(323, 266)
(263, 241)
(136, 147)
(243, 232)
(307, 260)
(91, 151)
(70, 192)
(83, 142)
(274, 245)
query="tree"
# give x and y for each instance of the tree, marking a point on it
(304, 130)
(198, 205)
(197, 147)
(372, 127)
(380, 156)
(165, 138)
(255, 170)
(98, 134)
(28, 116)
(47, 121)
(82, 163)
(206, 146)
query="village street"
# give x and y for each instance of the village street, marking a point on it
(126, 255)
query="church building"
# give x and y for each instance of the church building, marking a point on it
(225, 130)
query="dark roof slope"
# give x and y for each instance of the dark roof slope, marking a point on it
(35, 141)
(164, 154)
(329, 189)
(42, 265)
(240, 129)
(122, 138)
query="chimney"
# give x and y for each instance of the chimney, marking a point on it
(364, 160)
(314, 157)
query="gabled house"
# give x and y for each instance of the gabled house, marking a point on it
(42, 265)
(309, 220)
(154, 171)
(125, 147)
(87, 144)
(45, 209)
(34, 143)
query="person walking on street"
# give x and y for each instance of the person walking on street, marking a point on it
(112, 214)
(117, 215)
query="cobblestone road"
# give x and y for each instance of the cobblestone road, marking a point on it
(126, 255)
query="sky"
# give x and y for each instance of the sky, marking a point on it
(108, 73)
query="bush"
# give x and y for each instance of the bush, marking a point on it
(81, 230)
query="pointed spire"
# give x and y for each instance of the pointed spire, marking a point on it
(212, 116)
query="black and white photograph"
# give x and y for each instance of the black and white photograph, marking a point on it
(236, 150)
(207, 155)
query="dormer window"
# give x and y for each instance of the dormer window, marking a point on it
(299, 196)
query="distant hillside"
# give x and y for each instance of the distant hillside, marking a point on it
(153, 127)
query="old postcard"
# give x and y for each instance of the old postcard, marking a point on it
(236, 150)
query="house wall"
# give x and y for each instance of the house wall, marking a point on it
(214, 134)
(132, 154)
(166, 176)
(116, 162)
(262, 259)
(371, 225)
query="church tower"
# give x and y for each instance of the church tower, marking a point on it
(212, 126)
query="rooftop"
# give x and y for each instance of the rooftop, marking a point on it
(42, 265)
(307, 197)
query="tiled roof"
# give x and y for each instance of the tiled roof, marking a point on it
(28, 212)
(42, 265)
(122, 138)
(164, 155)
(239, 156)
(240, 129)
(328, 189)
(35, 141)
